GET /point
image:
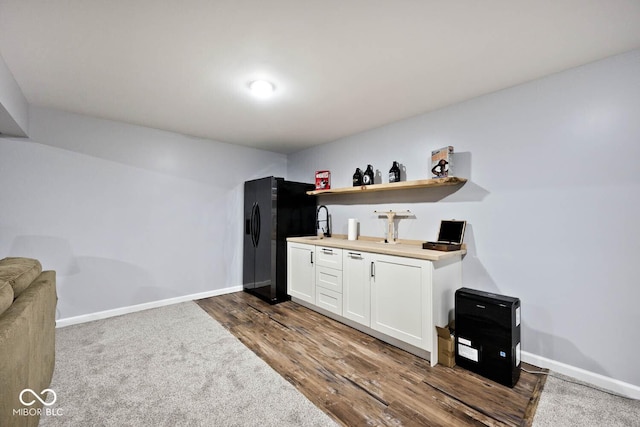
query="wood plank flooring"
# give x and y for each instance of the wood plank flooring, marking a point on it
(359, 380)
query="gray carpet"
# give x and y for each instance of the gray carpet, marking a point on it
(565, 403)
(171, 366)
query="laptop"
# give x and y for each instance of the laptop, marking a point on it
(450, 236)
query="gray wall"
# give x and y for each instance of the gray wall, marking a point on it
(125, 214)
(14, 109)
(552, 202)
(128, 215)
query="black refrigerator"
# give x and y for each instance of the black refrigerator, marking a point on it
(274, 209)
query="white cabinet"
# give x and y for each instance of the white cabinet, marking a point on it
(390, 294)
(398, 299)
(314, 275)
(301, 272)
(401, 299)
(329, 279)
(356, 294)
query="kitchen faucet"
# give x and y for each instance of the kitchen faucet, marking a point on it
(327, 232)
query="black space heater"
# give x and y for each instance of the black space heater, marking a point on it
(488, 335)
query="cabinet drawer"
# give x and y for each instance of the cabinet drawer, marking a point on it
(329, 300)
(329, 278)
(329, 257)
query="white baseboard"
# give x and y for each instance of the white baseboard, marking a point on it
(61, 323)
(608, 383)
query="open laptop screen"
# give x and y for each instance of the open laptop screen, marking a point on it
(452, 231)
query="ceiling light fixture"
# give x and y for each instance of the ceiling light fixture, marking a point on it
(261, 88)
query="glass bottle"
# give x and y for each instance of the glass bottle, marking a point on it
(367, 178)
(394, 172)
(357, 178)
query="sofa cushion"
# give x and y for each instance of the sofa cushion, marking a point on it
(6, 296)
(19, 273)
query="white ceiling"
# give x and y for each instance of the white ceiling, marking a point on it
(340, 66)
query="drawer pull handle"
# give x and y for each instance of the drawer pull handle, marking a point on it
(327, 251)
(355, 255)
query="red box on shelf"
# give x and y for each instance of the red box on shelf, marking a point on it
(323, 180)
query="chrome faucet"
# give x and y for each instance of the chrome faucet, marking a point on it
(327, 232)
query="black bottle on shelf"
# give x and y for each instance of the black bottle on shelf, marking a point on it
(357, 178)
(394, 172)
(367, 178)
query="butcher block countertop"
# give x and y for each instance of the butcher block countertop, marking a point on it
(405, 248)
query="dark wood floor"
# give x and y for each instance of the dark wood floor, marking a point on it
(358, 380)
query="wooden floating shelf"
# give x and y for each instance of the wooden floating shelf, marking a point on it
(403, 185)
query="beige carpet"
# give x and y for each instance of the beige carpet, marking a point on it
(171, 366)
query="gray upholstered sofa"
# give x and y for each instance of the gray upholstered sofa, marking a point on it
(27, 337)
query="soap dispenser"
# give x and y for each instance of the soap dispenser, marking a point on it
(367, 178)
(357, 178)
(394, 172)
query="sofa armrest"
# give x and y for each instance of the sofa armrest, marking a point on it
(27, 346)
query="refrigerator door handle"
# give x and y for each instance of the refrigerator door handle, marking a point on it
(252, 221)
(257, 224)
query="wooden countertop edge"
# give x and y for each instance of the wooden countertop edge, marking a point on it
(405, 248)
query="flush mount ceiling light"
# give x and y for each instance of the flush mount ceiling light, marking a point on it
(261, 88)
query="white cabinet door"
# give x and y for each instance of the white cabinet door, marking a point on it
(301, 271)
(356, 294)
(401, 299)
